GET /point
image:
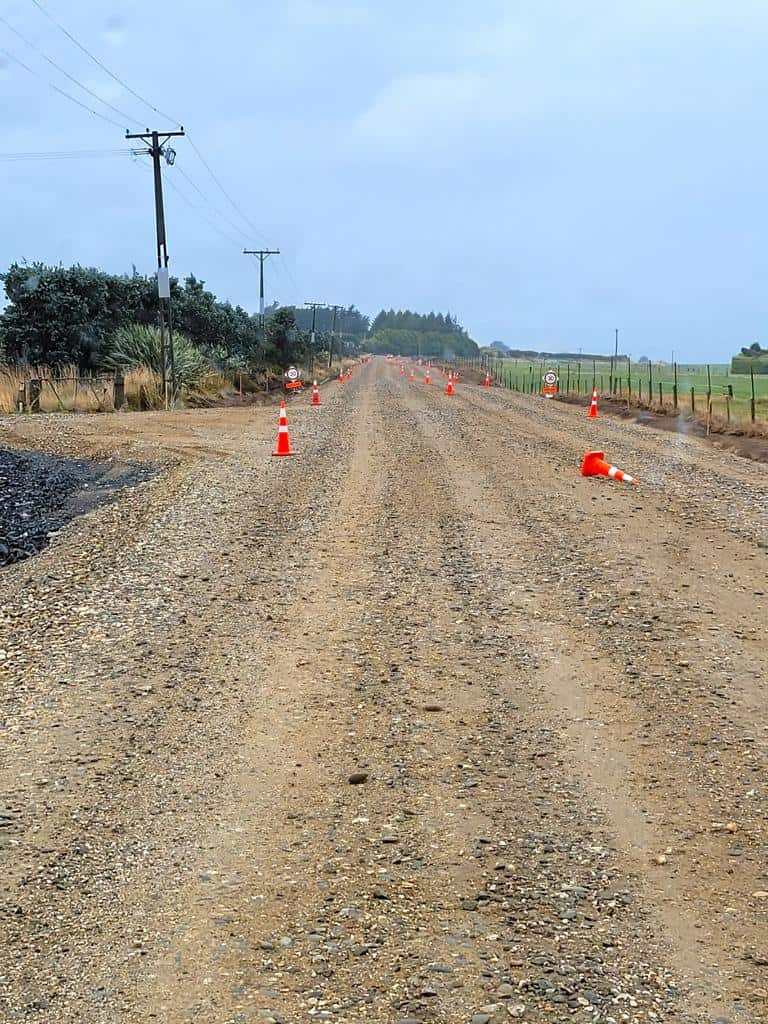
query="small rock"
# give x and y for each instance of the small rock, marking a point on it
(358, 778)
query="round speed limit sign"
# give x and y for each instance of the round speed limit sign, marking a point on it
(292, 373)
(550, 378)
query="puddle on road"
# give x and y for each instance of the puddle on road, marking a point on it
(39, 494)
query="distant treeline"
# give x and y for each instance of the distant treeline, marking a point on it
(82, 316)
(752, 360)
(561, 357)
(434, 335)
(349, 321)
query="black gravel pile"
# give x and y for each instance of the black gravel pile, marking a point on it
(41, 493)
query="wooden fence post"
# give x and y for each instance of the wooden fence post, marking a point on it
(118, 399)
(35, 387)
(674, 387)
(693, 399)
(22, 399)
(752, 400)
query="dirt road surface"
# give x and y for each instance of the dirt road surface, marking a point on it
(417, 726)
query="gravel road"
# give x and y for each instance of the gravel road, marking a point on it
(417, 726)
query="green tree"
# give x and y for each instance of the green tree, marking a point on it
(285, 343)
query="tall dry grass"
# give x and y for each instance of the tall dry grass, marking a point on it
(67, 390)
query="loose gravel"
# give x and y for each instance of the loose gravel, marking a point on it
(418, 726)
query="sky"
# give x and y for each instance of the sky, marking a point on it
(545, 170)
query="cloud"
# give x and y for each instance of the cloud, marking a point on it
(424, 115)
(105, 88)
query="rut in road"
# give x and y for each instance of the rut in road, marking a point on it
(389, 900)
(416, 605)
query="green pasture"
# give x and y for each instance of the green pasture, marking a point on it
(684, 386)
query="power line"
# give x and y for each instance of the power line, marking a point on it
(61, 91)
(103, 67)
(61, 70)
(74, 154)
(152, 107)
(287, 269)
(221, 188)
(192, 205)
(76, 42)
(205, 198)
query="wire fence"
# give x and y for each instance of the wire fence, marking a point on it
(667, 387)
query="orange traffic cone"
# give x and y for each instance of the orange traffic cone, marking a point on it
(349, 373)
(594, 464)
(593, 405)
(426, 378)
(402, 371)
(283, 441)
(412, 377)
(449, 386)
(487, 381)
(341, 377)
(315, 394)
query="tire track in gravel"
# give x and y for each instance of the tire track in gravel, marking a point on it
(619, 749)
(448, 887)
(345, 911)
(117, 653)
(697, 475)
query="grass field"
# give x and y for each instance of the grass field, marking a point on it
(650, 385)
(688, 375)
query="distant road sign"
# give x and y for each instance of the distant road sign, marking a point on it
(292, 373)
(549, 387)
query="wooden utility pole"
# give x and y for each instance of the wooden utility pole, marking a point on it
(335, 311)
(157, 149)
(262, 255)
(314, 306)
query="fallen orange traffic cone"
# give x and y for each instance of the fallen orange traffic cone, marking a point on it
(593, 405)
(283, 441)
(594, 464)
(449, 386)
(487, 381)
(315, 394)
